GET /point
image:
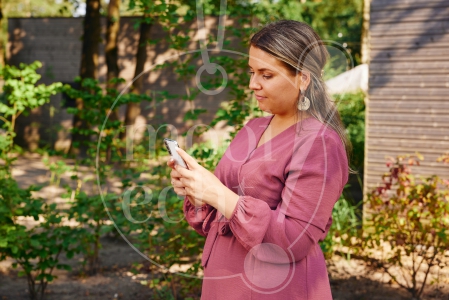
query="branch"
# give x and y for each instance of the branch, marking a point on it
(423, 258)
(40, 286)
(427, 273)
(394, 277)
(4, 120)
(56, 259)
(413, 261)
(405, 277)
(381, 265)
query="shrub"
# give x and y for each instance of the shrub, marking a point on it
(36, 247)
(407, 217)
(351, 107)
(20, 95)
(346, 223)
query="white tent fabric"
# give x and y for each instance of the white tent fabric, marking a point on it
(349, 81)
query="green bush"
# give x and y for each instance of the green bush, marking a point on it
(32, 232)
(35, 247)
(346, 223)
(351, 107)
(20, 95)
(104, 148)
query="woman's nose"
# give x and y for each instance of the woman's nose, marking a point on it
(253, 83)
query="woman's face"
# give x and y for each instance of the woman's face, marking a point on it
(275, 87)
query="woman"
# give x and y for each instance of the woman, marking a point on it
(270, 199)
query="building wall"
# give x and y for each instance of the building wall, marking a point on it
(408, 98)
(56, 42)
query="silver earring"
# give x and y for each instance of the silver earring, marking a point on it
(304, 102)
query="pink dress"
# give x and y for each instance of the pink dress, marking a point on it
(288, 186)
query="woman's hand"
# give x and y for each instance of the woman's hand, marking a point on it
(201, 186)
(177, 184)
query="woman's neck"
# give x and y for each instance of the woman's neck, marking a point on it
(283, 121)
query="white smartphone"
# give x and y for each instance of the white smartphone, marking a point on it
(171, 147)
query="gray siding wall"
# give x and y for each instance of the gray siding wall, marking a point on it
(408, 99)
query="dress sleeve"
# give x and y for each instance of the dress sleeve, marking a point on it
(200, 218)
(313, 184)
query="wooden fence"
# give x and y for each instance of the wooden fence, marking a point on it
(408, 99)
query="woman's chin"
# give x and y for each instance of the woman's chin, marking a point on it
(264, 108)
(268, 111)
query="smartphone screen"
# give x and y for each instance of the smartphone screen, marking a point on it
(171, 147)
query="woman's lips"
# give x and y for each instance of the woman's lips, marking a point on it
(259, 98)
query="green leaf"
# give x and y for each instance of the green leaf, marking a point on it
(35, 243)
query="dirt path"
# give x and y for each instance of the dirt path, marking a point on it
(114, 281)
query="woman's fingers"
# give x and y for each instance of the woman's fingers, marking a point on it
(176, 182)
(181, 178)
(190, 161)
(175, 174)
(171, 163)
(178, 187)
(180, 191)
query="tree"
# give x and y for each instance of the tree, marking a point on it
(111, 49)
(89, 67)
(91, 40)
(133, 109)
(336, 20)
(111, 53)
(2, 53)
(151, 11)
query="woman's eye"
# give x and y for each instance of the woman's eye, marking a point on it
(263, 76)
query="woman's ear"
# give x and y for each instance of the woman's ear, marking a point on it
(304, 79)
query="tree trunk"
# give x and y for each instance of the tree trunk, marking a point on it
(365, 49)
(91, 40)
(111, 49)
(2, 52)
(89, 66)
(133, 109)
(111, 53)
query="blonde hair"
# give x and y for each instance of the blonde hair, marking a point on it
(299, 47)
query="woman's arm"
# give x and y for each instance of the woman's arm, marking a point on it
(204, 193)
(203, 187)
(199, 217)
(314, 183)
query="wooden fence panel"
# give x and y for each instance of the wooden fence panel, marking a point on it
(408, 100)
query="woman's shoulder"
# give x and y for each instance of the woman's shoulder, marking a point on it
(312, 124)
(311, 130)
(317, 141)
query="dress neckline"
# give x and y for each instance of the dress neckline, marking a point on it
(279, 134)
